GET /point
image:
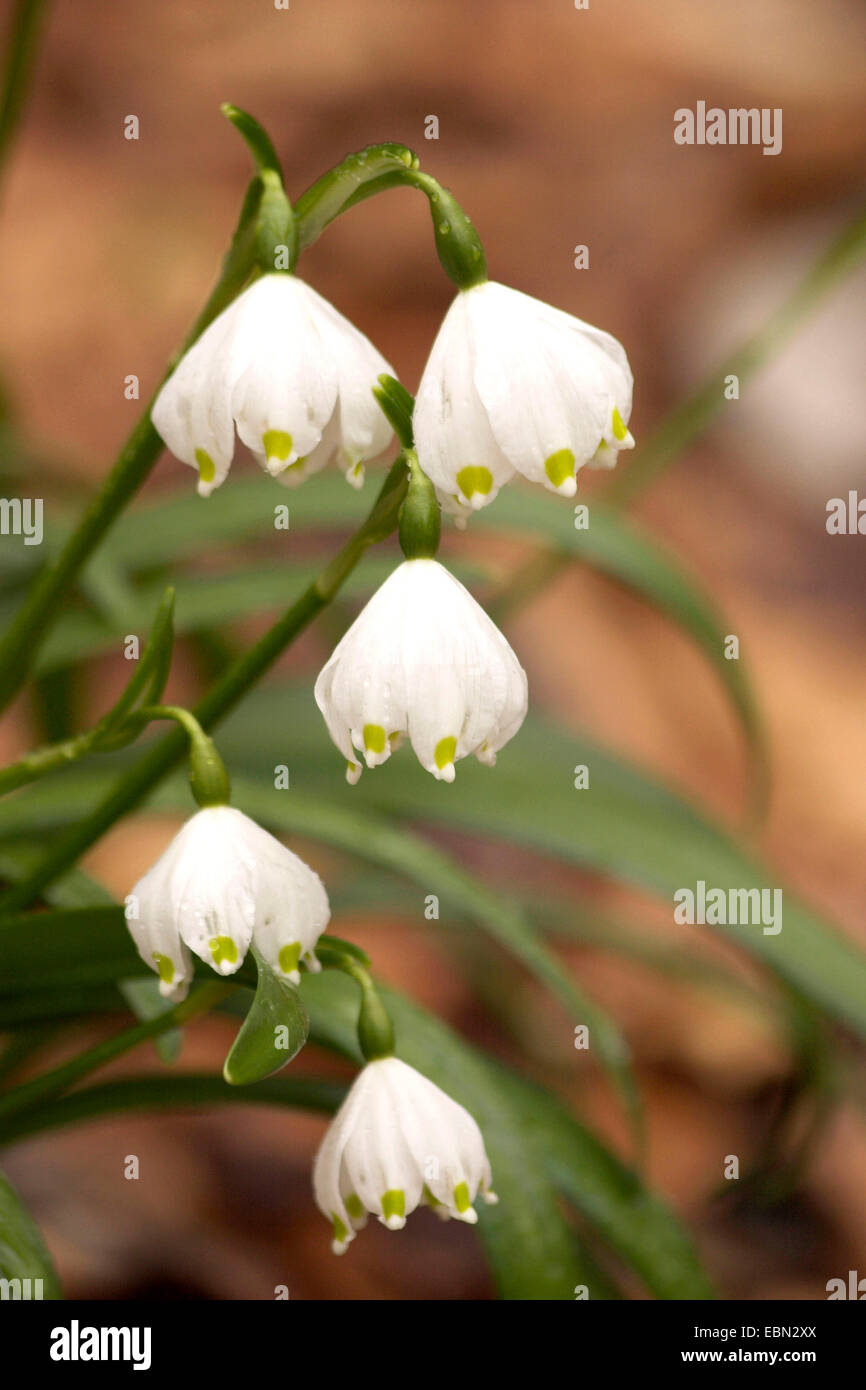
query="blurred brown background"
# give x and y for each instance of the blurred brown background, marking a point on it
(555, 128)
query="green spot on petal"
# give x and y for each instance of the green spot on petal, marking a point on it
(341, 1235)
(394, 1203)
(289, 957)
(429, 1198)
(374, 738)
(559, 466)
(354, 1206)
(619, 429)
(206, 466)
(461, 1197)
(445, 750)
(165, 968)
(278, 444)
(471, 480)
(223, 948)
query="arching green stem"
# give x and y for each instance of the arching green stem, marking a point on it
(138, 780)
(208, 778)
(375, 1029)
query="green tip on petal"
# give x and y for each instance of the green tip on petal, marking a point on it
(341, 1235)
(206, 466)
(374, 738)
(222, 948)
(620, 429)
(444, 752)
(461, 1197)
(394, 1208)
(474, 479)
(165, 968)
(289, 957)
(559, 466)
(355, 1207)
(277, 444)
(355, 475)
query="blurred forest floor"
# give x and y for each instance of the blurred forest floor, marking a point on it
(555, 129)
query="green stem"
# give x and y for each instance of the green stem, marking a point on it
(186, 1092)
(420, 521)
(689, 419)
(51, 1083)
(208, 778)
(134, 785)
(19, 59)
(44, 760)
(375, 1029)
(458, 245)
(23, 1045)
(357, 176)
(113, 730)
(21, 640)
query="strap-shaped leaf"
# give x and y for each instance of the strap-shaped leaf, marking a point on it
(622, 551)
(174, 530)
(273, 1032)
(24, 1261)
(628, 826)
(501, 917)
(533, 1143)
(144, 999)
(524, 1235)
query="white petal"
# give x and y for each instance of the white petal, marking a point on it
(550, 384)
(192, 412)
(292, 907)
(284, 384)
(212, 887)
(294, 377)
(151, 924)
(455, 444)
(363, 430)
(399, 1134)
(422, 659)
(221, 880)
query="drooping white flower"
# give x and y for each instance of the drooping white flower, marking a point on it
(396, 1142)
(222, 883)
(423, 661)
(291, 373)
(514, 385)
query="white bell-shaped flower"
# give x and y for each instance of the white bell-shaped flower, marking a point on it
(291, 373)
(514, 385)
(423, 661)
(396, 1142)
(222, 883)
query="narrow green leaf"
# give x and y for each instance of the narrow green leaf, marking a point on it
(212, 600)
(622, 551)
(529, 1243)
(273, 1032)
(626, 825)
(145, 1002)
(524, 1235)
(22, 1251)
(435, 871)
(632, 1220)
(692, 416)
(151, 672)
(166, 531)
